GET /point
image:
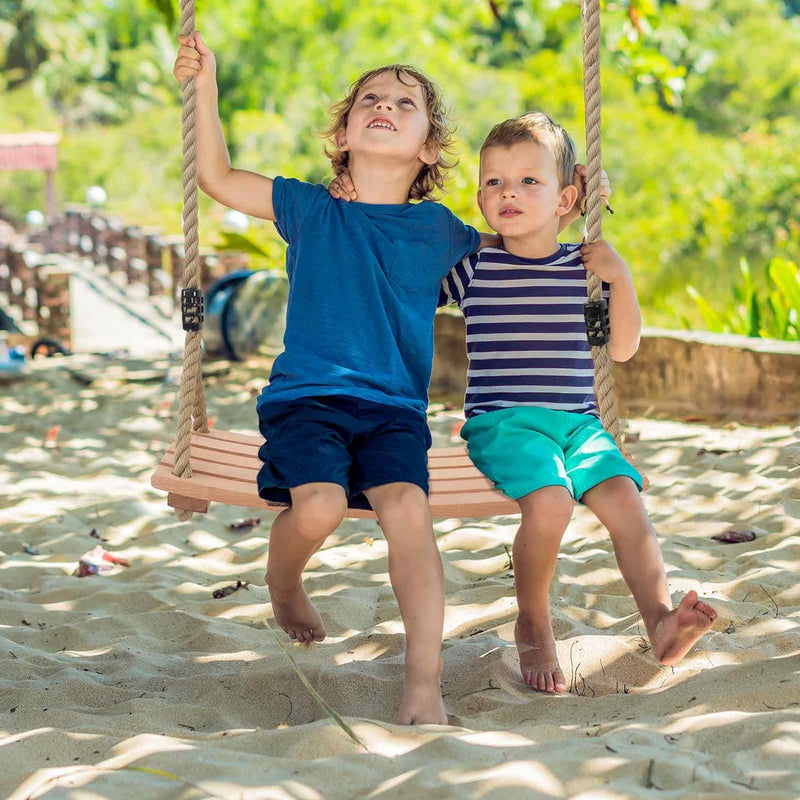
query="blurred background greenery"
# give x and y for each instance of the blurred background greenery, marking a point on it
(701, 118)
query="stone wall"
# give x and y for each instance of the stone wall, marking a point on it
(674, 372)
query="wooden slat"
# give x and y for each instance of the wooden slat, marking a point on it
(225, 466)
(247, 446)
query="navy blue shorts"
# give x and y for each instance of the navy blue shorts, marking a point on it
(339, 439)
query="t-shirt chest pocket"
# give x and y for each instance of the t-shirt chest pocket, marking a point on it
(413, 268)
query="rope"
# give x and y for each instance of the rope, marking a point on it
(603, 384)
(192, 403)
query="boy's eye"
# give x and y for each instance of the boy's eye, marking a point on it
(493, 182)
(407, 100)
(369, 96)
(530, 181)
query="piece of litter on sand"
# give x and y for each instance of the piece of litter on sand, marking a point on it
(734, 537)
(244, 524)
(98, 562)
(29, 549)
(51, 437)
(230, 589)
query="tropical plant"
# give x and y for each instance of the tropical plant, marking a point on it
(772, 312)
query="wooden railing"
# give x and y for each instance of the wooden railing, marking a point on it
(34, 288)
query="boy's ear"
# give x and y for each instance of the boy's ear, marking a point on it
(479, 198)
(429, 154)
(568, 198)
(340, 140)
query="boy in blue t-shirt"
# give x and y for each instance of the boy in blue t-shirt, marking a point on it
(344, 412)
(532, 424)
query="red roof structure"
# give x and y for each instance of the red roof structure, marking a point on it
(30, 151)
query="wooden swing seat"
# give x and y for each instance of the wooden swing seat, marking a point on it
(225, 466)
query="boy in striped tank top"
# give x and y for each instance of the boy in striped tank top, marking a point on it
(532, 424)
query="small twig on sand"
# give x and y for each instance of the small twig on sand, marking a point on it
(771, 598)
(71, 772)
(510, 564)
(326, 707)
(574, 671)
(483, 689)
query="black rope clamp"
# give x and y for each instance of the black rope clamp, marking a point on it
(192, 309)
(598, 329)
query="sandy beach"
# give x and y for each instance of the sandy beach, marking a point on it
(139, 683)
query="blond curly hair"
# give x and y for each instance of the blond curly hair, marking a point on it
(440, 133)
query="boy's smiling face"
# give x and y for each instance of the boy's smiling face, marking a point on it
(389, 117)
(520, 194)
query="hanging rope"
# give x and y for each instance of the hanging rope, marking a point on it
(603, 384)
(192, 403)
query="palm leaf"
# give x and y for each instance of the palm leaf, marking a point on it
(785, 277)
(714, 322)
(242, 244)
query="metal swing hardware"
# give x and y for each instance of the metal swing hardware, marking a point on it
(598, 329)
(192, 306)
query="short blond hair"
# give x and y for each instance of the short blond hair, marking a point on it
(536, 127)
(440, 132)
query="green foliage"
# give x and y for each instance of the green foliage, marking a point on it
(166, 9)
(700, 102)
(94, 60)
(771, 312)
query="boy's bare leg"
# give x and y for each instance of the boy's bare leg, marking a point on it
(415, 570)
(672, 633)
(545, 516)
(296, 534)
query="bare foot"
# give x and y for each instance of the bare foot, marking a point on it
(422, 702)
(678, 630)
(538, 661)
(295, 613)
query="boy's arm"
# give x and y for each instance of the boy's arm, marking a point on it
(342, 188)
(490, 240)
(625, 317)
(244, 191)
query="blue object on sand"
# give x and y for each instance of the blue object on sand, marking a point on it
(245, 313)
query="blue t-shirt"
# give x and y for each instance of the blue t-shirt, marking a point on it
(363, 287)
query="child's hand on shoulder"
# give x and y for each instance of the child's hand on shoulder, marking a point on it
(195, 59)
(604, 261)
(342, 187)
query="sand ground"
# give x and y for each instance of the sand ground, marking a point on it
(140, 683)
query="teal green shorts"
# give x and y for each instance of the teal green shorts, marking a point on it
(526, 448)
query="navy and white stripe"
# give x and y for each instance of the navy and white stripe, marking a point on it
(526, 336)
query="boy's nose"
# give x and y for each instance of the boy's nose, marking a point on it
(383, 105)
